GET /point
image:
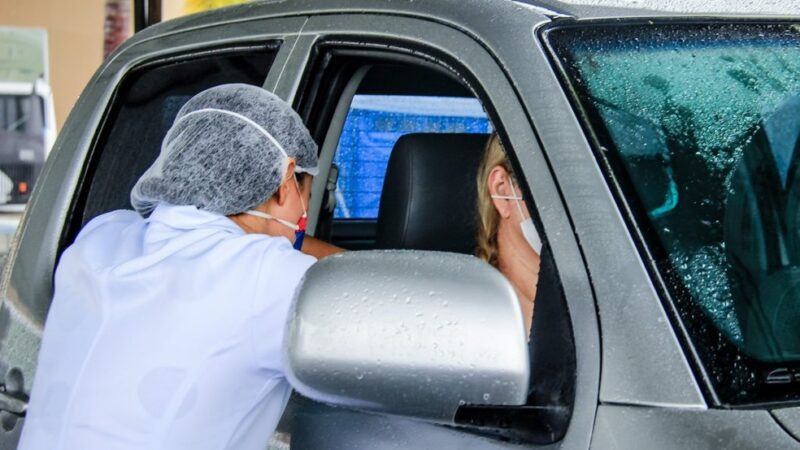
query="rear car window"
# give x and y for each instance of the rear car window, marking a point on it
(373, 125)
(699, 125)
(143, 108)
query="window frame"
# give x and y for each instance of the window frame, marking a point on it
(683, 314)
(331, 61)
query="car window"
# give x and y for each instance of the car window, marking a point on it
(146, 103)
(374, 124)
(702, 125)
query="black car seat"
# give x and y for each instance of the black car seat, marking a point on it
(429, 193)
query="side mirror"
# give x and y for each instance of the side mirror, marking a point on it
(409, 333)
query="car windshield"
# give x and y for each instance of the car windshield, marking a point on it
(21, 113)
(699, 125)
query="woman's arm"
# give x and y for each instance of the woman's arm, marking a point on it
(318, 248)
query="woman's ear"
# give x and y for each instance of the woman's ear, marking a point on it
(282, 194)
(499, 184)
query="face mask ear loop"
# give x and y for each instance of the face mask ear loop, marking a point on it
(301, 224)
(271, 217)
(302, 203)
(518, 199)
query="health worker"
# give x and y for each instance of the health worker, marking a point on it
(166, 324)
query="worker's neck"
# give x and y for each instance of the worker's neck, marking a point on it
(257, 225)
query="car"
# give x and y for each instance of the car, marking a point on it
(658, 153)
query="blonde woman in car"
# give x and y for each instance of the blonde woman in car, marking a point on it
(507, 238)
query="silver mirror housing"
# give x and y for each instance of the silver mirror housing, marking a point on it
(409, 333)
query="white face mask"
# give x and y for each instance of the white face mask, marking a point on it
(527, 226)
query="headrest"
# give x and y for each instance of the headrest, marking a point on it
(429, 193)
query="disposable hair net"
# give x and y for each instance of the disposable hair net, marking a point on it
(226, 152)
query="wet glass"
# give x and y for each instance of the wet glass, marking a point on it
(700, 126)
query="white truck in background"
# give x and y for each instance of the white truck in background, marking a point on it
(27, 116)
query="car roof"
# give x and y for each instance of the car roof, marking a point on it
(465, 14)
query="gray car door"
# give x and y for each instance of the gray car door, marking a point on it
(88, 174)
(317, 426)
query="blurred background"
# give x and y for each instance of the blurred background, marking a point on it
(49, 50)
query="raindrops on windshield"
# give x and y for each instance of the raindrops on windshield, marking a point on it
(701, 127)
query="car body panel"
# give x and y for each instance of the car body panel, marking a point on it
(789, 419)
(319, 427)
(644, 380)
(621, 426)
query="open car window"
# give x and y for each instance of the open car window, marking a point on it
(407, 157)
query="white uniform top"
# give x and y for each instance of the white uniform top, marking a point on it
(165, 333)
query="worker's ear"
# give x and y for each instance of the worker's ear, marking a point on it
(284, 190)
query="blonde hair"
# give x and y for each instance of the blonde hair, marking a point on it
(488, 217)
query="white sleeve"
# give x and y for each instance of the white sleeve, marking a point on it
(280, 276)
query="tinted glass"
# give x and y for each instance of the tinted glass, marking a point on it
(373, 125)
(703, 123)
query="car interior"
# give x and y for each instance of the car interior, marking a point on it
(427, 197)
(416, 161)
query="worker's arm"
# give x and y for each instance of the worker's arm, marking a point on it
(319, 249)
